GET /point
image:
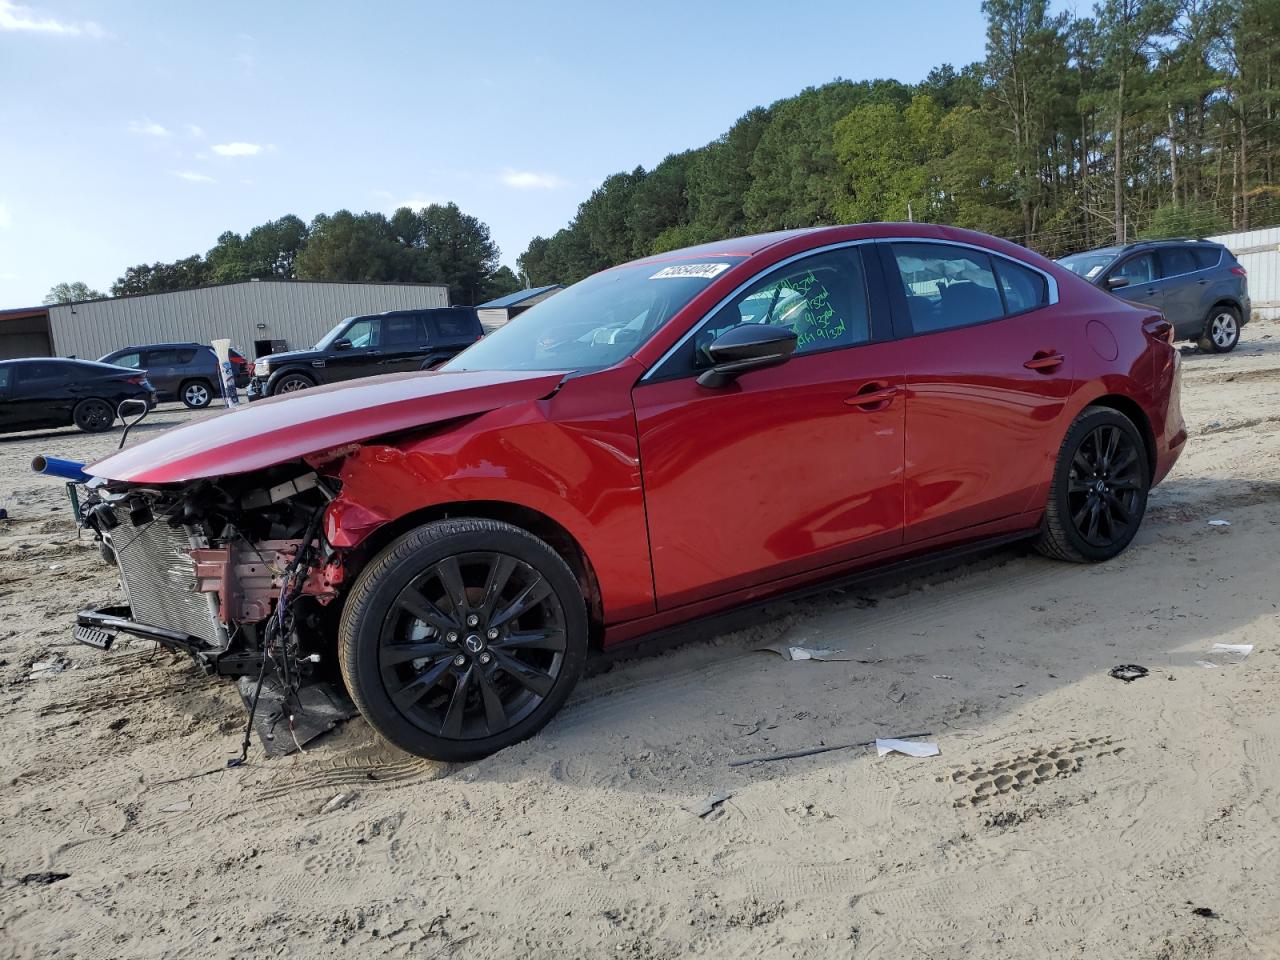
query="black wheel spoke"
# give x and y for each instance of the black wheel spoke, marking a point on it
(423, 609)
(451, 579)
(392, 655)
(495, 714)
(1081, 462)
(499, 576)
(1117, 509)
(419, 686)
(531, 678)
(529, 597)
(457, 710)
(1076, 485)
(551, 639)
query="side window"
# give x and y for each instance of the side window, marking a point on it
(133, 360)
(1207, 257)
(363, 333)
(822, 298)
(1177, 260)
(1139, 269)
(44, 373)
(453, 327)
(1023, 288)
(946, 286)
(186, 356)
(406, 331)
(161, 358)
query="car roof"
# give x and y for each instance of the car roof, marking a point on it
(17, 361)
(1117, 249)
(160, 346)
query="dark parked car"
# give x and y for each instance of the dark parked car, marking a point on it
(42, 393)
(668, 439)
(391, 342)
(1198, 285)
(180, 371)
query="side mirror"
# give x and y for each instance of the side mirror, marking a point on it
(1115, 283)
(748, 346)
(342, 343)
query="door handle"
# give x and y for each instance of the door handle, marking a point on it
(873, 396)
(1046, 361)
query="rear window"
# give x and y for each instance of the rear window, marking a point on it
(1178, 260)
(1023, 288)
(454, 326)
(1207, 257)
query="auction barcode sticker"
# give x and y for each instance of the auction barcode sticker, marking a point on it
(701, 271)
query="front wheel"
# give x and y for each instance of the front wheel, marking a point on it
(196, 394)
(1221, 330)
(93, 415)
(462, 637)
(1099, 490)
(291, 383)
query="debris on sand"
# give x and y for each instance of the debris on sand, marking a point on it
(1128, 672)
(42, 879)
(710, 804)
(795, 652)
(337, 803)
(906, 747)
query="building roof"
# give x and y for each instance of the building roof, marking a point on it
(22, 313)
(519, 297)
(285, 281)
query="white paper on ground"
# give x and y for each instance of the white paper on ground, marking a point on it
(909, 747)
(1219, 523)
(1242, 649)
(791, 652)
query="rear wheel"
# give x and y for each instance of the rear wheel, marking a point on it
(291, 383)
(1099, 490)
(463, 637)
(93, 415)
(196, 394)
(1221, 330)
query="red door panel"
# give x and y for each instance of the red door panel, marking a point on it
(784, 471)
(984, 419)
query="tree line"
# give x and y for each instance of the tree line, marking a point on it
(1148, 118)
(435, 244)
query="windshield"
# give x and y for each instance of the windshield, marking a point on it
(325, 342)
(595, 323)
(1087, 265)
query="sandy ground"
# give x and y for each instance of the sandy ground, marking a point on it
(1068, 813)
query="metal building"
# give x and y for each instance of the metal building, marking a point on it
(258, 316)
(497, 312)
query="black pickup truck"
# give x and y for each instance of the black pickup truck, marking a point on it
(391, 342)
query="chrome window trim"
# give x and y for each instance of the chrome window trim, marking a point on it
(1051, 282)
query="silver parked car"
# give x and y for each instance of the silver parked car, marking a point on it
(1197, 284)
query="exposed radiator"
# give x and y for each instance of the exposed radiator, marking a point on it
(160, 579)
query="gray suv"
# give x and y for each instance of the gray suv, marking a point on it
(1196, 284)
(180, 371)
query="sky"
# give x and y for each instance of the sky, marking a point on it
(135, 132)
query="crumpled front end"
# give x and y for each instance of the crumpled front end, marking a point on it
(236, 573)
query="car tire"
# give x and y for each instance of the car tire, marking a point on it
(462, 637)
(292, 383)
(1098, 494)
(195, 394)
(93, 415)
(1221, 330)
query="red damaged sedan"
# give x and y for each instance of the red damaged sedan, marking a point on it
(660, 442)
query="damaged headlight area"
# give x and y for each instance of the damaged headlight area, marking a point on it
(236, 573)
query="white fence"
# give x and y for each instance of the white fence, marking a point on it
(1259, 252)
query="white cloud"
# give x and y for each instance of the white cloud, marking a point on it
(22, 19)
(530, 180)
(417, 203)
(195, 131)
(237, 149)
(6, 221)
(146, 127)
(193, 177)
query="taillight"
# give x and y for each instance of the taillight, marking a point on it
(1239, 271)
(138, 379)
(1160, 329)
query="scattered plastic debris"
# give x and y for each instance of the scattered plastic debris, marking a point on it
(1226, 654)
(337, 803)
(1207, 912)
(4, 514)
(1128, 672)
(810, 751)
(793, 652)
(943, 676)
(1219, 523)
(906, 747)
(43, 879)
(47, 668)
(710, 804)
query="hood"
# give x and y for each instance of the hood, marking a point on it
(293, 356)
(286, 428)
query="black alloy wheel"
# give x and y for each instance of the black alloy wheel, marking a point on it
(463, 637)
(93, 415)
(1099, 491)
